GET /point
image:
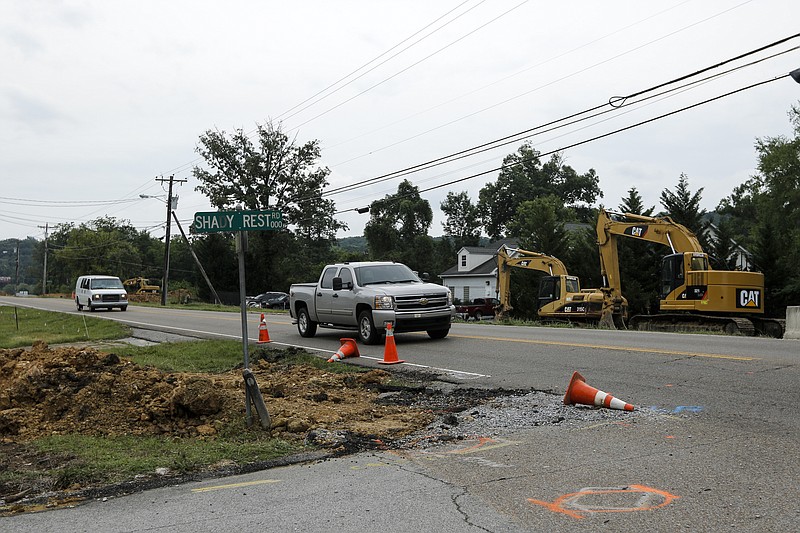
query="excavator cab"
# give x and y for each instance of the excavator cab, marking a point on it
(549, 290)
(684, 271)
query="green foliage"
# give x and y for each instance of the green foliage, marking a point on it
(271, 172)
(21, 326)
(540, 226)
(683, 207)
(765, 216)
(639, 262)
(113, 459)
(103, 246)
(194, 356)
(524, 178)
(463, 220)
(26, 276)
(398, 228)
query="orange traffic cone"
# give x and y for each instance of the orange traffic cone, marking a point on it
(579, 392)
(390, 351)
(263, 334)
(349, 348)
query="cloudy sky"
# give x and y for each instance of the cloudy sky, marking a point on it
(100, 98)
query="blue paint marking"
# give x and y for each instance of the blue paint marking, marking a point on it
(687, 408)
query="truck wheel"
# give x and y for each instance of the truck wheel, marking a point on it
(78, 303)
(367, 333)
(305, 326)
(478, 316)
(123, 308)
(438, 333)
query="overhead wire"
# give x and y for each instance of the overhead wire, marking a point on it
(530, 91)
(592, 139)
(185, 167)
(612, 104)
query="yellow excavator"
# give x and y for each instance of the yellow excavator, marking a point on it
(692, 295)
(560, 295)
(140, 286)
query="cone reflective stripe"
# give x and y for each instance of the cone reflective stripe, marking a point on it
(390, 350)
(579, 392)
(349, 348)
(263, 333)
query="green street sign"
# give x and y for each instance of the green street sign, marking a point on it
(217, 221)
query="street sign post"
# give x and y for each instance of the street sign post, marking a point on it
(239, 222)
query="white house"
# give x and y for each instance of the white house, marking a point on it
(475, 273)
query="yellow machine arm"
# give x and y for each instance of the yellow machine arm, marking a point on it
(508, 258)
(661, 230)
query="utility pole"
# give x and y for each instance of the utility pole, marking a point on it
(165, 281)
(16, 274)
(44, 272)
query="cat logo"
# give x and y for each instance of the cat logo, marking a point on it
(636, 231)
(748, 298)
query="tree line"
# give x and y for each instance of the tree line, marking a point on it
(543, 204)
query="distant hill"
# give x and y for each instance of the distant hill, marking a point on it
(353, 244)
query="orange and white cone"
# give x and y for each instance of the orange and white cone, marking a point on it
(349, 348)
(263, 334)
(390, 350)
(579, 392)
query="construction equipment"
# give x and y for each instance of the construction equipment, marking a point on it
(560, 295)
(692, 295)
(140, 286)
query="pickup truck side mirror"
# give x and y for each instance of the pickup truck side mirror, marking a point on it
(425, 276)
(337, 284)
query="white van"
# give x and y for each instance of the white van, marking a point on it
(96, 292)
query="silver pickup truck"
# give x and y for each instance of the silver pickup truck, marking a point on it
(366, 296)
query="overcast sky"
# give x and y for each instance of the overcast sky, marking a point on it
(99, 98)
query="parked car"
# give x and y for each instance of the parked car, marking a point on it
(269, 300)
(479, 308)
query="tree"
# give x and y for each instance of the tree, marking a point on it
(524, 177)
(639, 262)
(722, 247)
(633, 204)
(539, 224)
(463, 220)
(765, 213)
(684, 208)
(272, 172)
(103, 246)
(398, 228)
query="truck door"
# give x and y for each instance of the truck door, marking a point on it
(323, 299)
(343, 308)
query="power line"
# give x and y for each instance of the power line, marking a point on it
(613, 104)
(595, 138)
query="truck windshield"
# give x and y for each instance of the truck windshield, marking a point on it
(376, 274)
(106, 284)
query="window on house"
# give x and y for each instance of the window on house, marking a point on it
(463, 260)
(466, 294)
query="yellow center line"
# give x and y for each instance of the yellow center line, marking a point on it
(607, 347)
(236, 485)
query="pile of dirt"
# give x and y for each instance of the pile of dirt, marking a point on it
(80, 390)
(47, 391)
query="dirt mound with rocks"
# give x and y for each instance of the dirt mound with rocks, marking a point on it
(46, 391)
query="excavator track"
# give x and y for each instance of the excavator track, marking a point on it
(693, 323)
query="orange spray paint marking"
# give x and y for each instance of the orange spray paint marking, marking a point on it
(608, 500)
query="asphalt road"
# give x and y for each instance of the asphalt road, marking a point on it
(718, 450)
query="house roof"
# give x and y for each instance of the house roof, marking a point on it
(487, 267)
